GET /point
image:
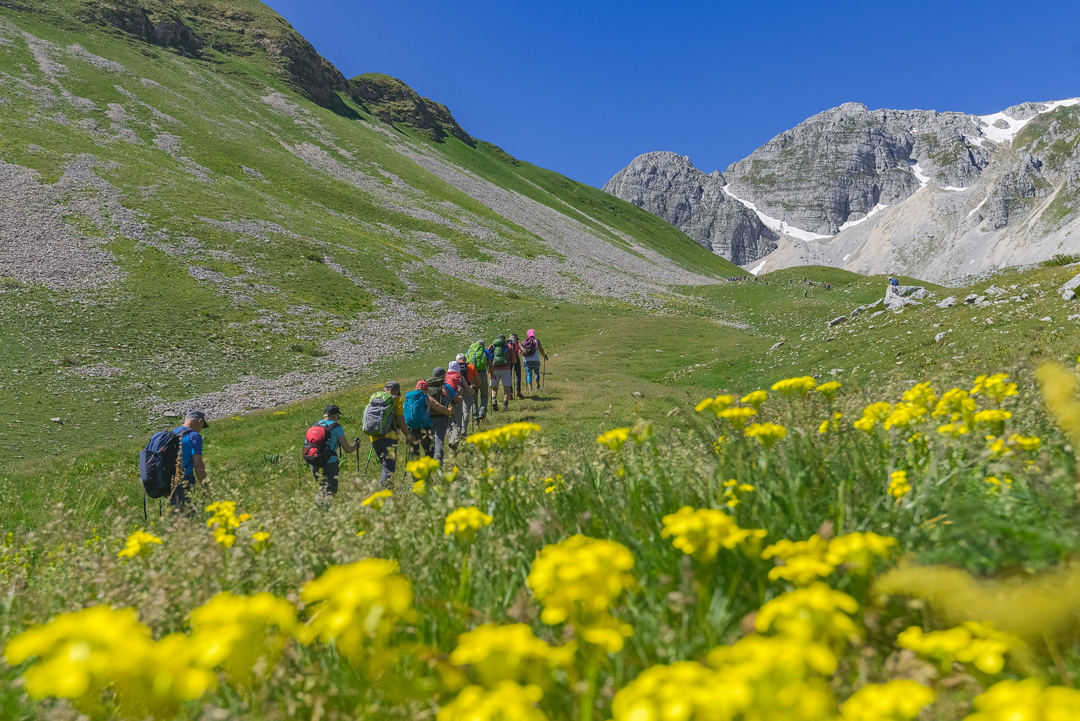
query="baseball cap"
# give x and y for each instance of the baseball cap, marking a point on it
(438, 372)
(392, 386)
(332, 410)
(421, 385)
(197, 415)
(531, 333)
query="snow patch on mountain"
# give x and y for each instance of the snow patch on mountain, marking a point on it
(775, 224)
(1002, 128)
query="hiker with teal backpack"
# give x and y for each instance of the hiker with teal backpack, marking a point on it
(444, 395)
(321, 445)
(501, 372)
(477, 357)
(384, 416)
(418, 410)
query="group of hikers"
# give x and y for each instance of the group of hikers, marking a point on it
(433, 416)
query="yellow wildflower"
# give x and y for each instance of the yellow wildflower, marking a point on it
(1026, 699)
(992, 415)
(223, 522)
(828, 389)
(903, 415)
(957, 404)
(1027, 443)
(506, 702)
(766, 433)
(465, 522)
(614, 439)
(377, 499)
(422, 468)
(509, 653)
(139, 544)
(921, 395)
(577, 581)
(859, 550)
(237, 631)
(1058, 388)
(954, 429)
(721, 402)
(419, 488)
(702, 532)
(900, 700)
(975, 643)
(682, 691)
(873, 414)
(994, 386)
(795, 386)
(898, 484)
(755, 399)
(737, 416)
(815, 613)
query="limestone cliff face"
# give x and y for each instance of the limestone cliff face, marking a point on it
(929, 194)
(668, 185)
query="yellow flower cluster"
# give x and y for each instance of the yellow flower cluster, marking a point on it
(578, 581)
(734, 491)
(1026, 699)
(506, 702)
(992, 416)
(975, 643)
(922, 396)
(899, 485)
(509, 653)
(139, 543)
(77, 654)
(377, 499)
(958, 405)
(702, 532)
(737, 416)
(795, 386)
(755, 399)
(502, 436)
(806, 561)
(716, 405)
(903, 415)
(994, 386)
(465, 522)
(766, 433)
(422, 468)
(833, 424)
(224, 522)
(901, 700)
(616, 438)
(356, 606)
(815, 613)
(873, 414)
(828, 389)
(236, 632)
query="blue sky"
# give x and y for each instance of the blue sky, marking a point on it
(583, 87)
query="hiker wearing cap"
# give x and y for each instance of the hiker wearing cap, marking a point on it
(441, 394)
(326, 475)
(532, 349)
(385, 446)
(500, 372)
(420, 410)
(455, 378)
(515, 361)
(191, 458)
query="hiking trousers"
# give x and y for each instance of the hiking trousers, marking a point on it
(458, 423)
(425, 445)
(532, 373)
(482, 389)
(439, 429)
(327, 478)
(386, 452)
(468, 410)
(178, 499)
(517, 376)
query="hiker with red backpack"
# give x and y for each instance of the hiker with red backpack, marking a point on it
(322, 442)
(532, 349)
(384, 416)
(419, 409)
(500, 372)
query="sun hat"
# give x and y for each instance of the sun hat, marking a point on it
(455, 367)
(531, 333)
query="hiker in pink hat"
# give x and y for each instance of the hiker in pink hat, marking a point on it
(531, 350)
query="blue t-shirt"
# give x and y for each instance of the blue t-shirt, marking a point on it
(190, 445)
(335, 438)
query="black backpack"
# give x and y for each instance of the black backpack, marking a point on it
(317, 446)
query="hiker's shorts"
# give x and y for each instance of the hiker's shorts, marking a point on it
(502, 376)
(532, 371)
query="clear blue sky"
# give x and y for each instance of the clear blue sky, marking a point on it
(583, 87)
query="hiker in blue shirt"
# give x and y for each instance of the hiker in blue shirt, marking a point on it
(191, 459)
(327, 475)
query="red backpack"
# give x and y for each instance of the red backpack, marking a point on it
(317, 448)
(454, 379)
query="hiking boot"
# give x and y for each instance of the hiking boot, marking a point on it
(520, 396)
(506, 405)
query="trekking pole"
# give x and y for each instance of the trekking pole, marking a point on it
(370, 451)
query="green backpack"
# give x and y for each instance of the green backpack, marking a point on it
(500, 356)
(477, 357)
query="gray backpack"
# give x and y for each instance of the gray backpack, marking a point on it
(379, 414)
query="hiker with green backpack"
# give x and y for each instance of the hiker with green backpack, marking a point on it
(501, 372)
(477, 357)
(383, 418)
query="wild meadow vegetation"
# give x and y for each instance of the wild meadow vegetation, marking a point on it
(797, 550)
